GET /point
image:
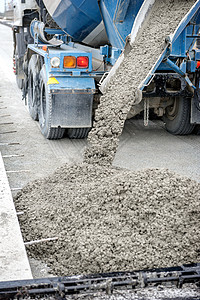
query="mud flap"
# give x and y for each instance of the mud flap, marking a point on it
(195, 111)
(195, 102)
(72, 110)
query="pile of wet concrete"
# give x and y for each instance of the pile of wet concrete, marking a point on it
(110, 219)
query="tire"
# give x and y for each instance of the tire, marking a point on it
(177, 117)
(78, 133)
(33, 86)
(45, 110)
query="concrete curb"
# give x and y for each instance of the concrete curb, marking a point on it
(14, 264)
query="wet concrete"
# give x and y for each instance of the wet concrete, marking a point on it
(110, 219)
(138, 148)
(121, 92)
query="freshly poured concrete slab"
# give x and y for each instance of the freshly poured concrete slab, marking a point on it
(14, 263)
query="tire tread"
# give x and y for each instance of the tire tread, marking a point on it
(181, 125)
(78, 133)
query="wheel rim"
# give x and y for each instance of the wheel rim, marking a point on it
(16, 63)
(31, 99)
(18, 79)
(172, 110)
(43, 105)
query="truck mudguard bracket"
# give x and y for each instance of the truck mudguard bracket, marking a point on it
(174, 67)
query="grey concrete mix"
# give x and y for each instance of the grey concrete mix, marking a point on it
(110, 219)
(114, 106)
(107, 218)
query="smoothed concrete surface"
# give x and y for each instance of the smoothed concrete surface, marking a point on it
(143, 147)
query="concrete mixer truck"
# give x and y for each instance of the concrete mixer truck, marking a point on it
(66, 52)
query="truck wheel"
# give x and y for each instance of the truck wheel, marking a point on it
(33, 87)
(45, 110)
(77, 133)
(177, 117)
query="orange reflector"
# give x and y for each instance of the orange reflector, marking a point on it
(82, 61)
(69, 62)
(44, 48)
(198, 64)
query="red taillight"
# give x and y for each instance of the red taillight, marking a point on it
(198, 64)
(82, 61)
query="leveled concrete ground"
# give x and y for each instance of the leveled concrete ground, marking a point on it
(30, 156)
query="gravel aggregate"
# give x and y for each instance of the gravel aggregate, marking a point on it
(120, 94)
(110, 219)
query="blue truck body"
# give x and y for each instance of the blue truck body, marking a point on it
(118, 18)
(81, 35)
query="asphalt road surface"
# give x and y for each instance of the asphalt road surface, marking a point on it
(28, 155)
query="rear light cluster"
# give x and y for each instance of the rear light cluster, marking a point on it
(75, 62)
